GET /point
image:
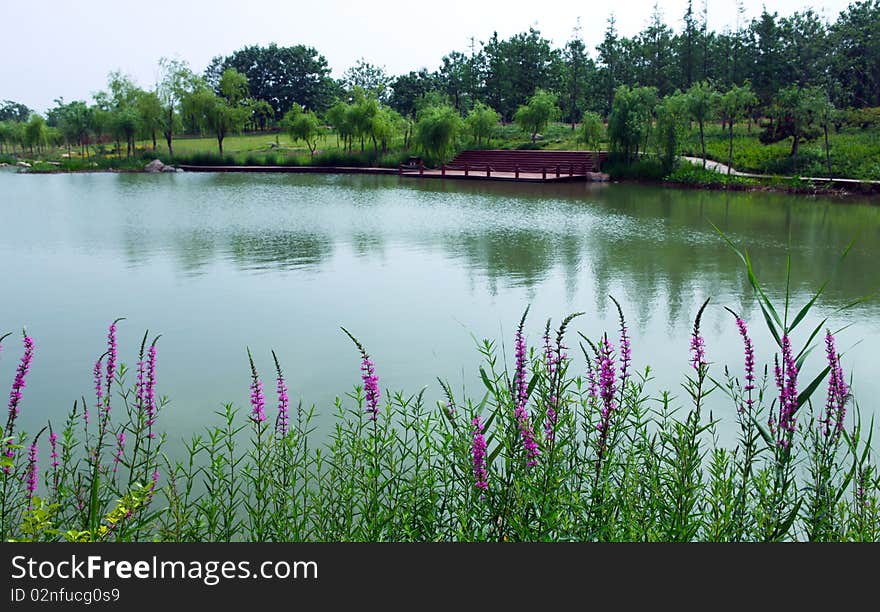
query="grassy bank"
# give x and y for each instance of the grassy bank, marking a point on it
(854, 153)
(542, 452)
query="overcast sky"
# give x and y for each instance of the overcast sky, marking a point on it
(58, 48)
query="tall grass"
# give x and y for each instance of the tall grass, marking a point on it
(546, 451)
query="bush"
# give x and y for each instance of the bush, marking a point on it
(644, 169)
(694, 174)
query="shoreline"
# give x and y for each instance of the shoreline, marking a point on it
(862, 189)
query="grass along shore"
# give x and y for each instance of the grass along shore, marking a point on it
(854, 154)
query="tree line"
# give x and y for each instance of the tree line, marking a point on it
(793, 70)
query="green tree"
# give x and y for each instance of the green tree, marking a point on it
(282, 76)
(261, 114)
(36, 134)
(368, 77)
(804, 48)
(14, 111)
(702, 100)
(176, 80)
(455, 78)
(767, 70)
(481, 122)
(609, 59)
(11, 134)
(437, 131)
(672, 118)
(577, 68)
(360, 115)
(120, 104)
(302, 125)
(150, 115)
(687, 45)
(656, 52)
(408, 88)
(125, 122)
(233, 86)
(590, 132)
(799, 114)
(216, 115)
(629, 123)
(74, 121)
(855, 60)
(338, 116)
(386, 124)
(534, 116)
(734, 105)
(516, 68)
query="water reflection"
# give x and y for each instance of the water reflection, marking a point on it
(651, 243)
(279, 250)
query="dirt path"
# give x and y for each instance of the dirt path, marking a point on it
(718, 166)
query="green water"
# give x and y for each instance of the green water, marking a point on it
(416, 269)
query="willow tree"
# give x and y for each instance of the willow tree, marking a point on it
(590, 132)
(437, 131)
(672, 117)
(534, 116)
(702, 99)
(302, 125)
(481, 122)
(733, 105)
(217, 116)
(36, 133)
(629, 124)
(175, 83)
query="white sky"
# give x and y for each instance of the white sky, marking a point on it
(58, 48)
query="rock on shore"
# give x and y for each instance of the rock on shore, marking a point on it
(157, 166)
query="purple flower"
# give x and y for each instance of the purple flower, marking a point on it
(97, 376)
(786, 382)
(478, 450)
(368, 375)
(140, 385)
(550, 423)
(838, 391)
(521, 398)
(749, 366)
(154, 484)
(371, 385)
(15, 394)
(53, 443)
(698, 351)
(112, 355)
(592, 384)
(607, 388)
(283, 402)
(19, 383)
(120, 449)
(150, 390)
(258, 399)
(32, 473)
(698, 346)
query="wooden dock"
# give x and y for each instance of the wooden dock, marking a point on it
(516, 165)
(492, 165)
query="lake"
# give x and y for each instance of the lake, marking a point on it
(417, 270)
